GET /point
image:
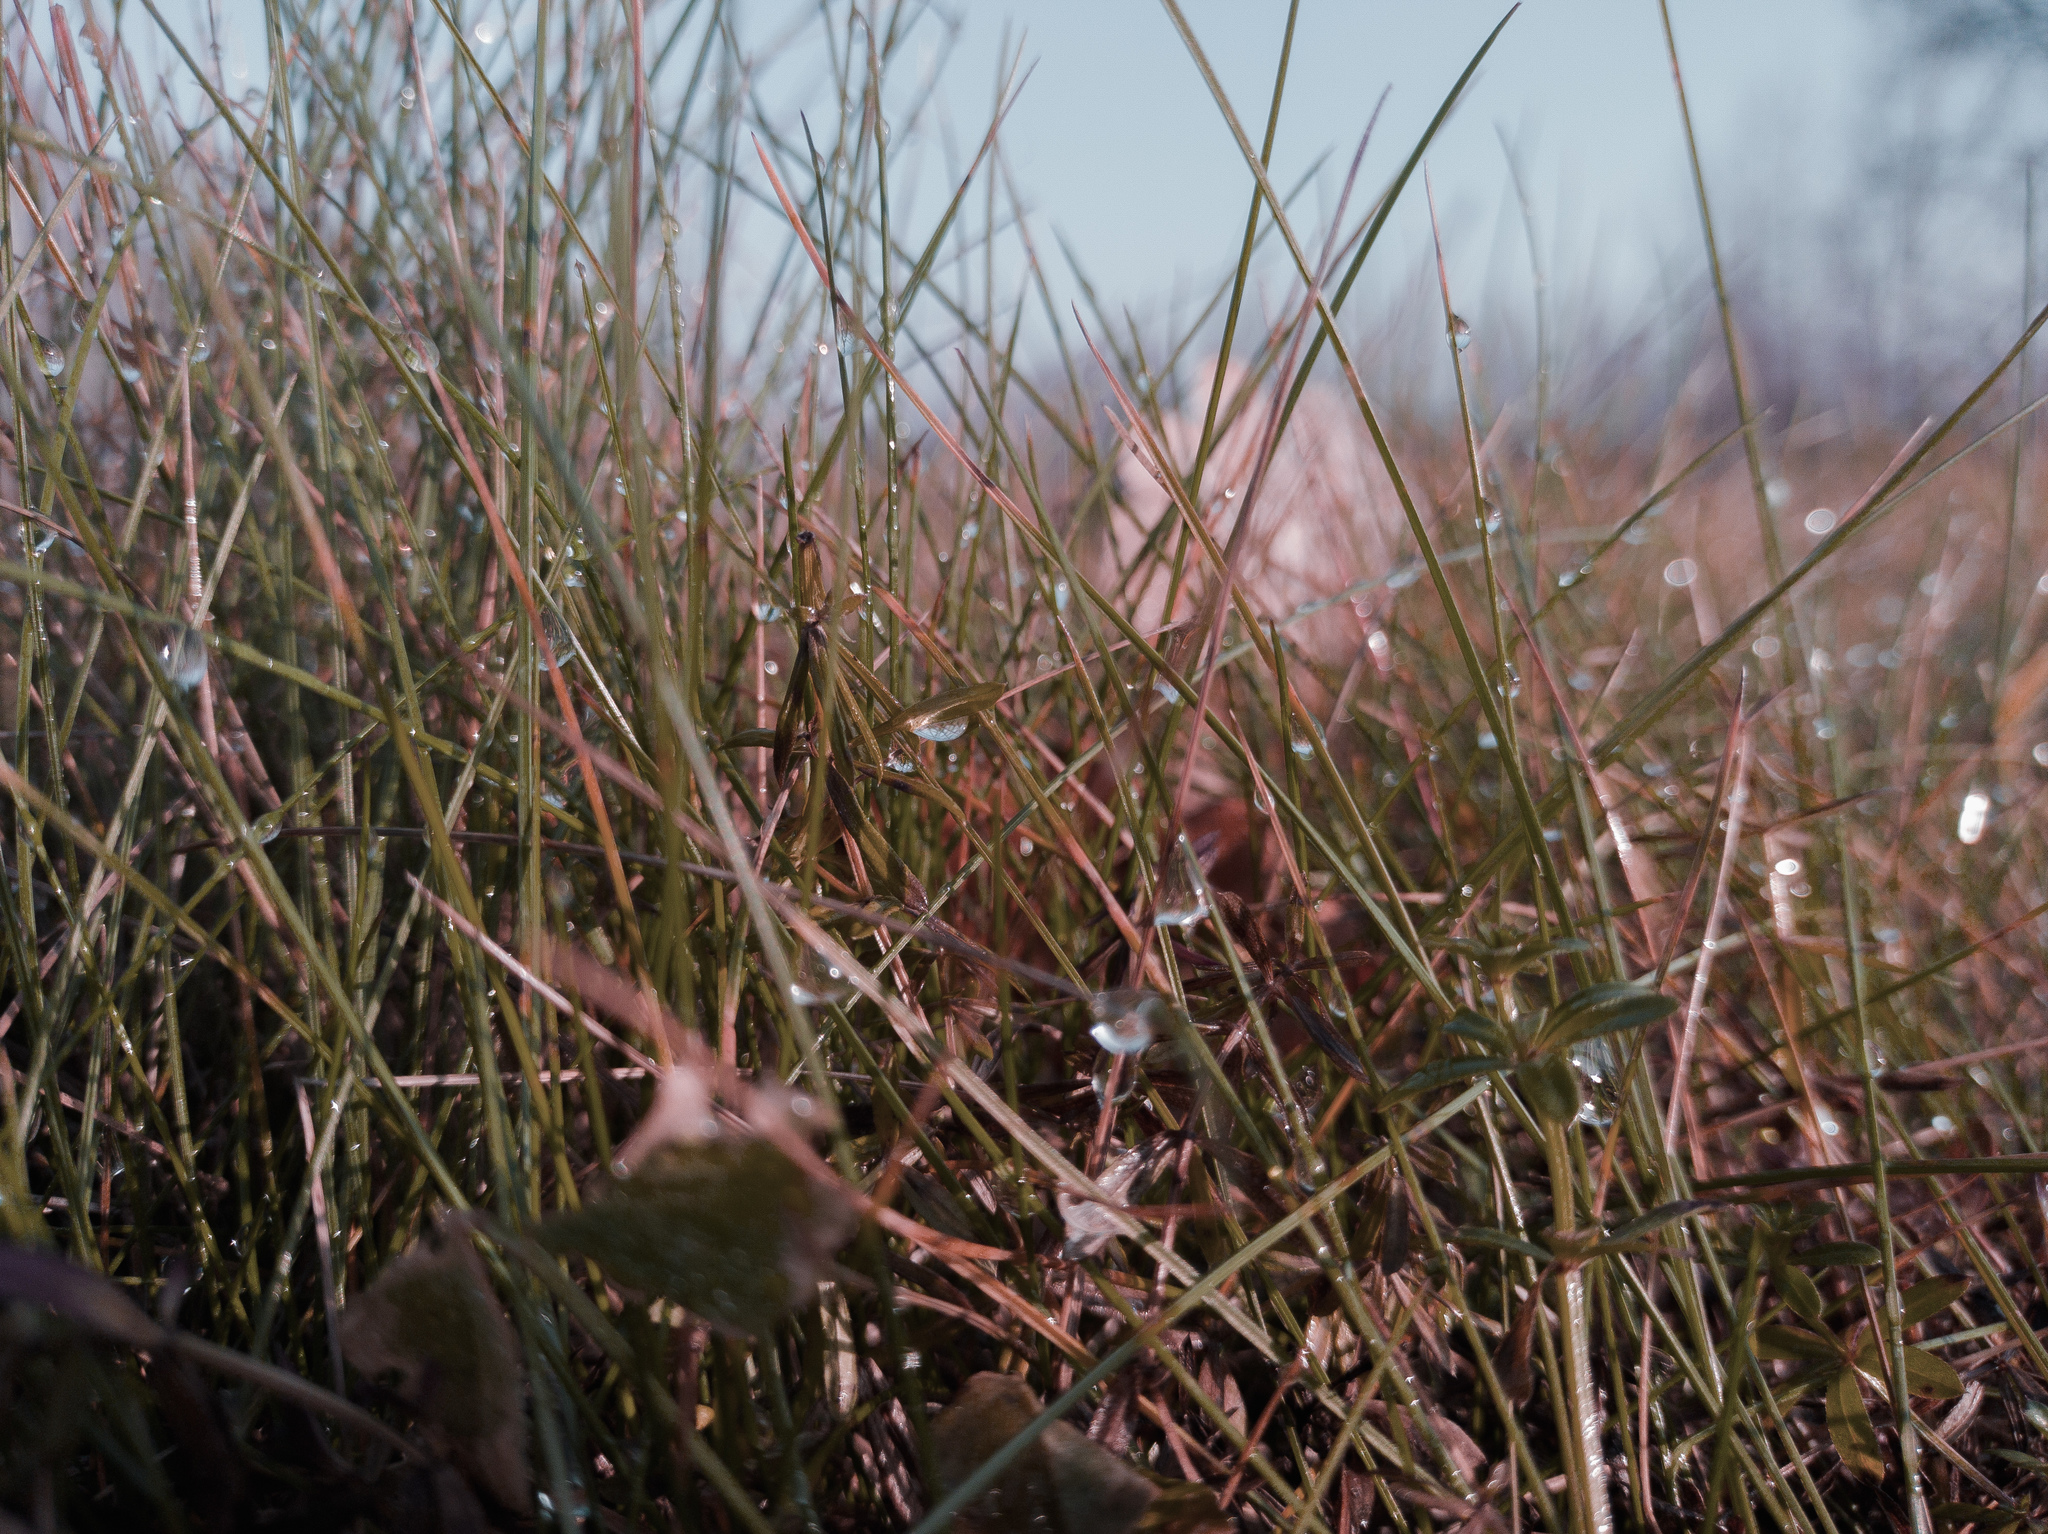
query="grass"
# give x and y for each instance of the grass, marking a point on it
(655, 882)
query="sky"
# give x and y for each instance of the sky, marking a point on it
(1123, 158)
(1122, 152)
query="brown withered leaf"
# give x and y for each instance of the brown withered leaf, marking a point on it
(1091, 1227)
(1062, 1483)
(429, 1328)
(714, 1217)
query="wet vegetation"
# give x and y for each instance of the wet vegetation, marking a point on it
(681, 856)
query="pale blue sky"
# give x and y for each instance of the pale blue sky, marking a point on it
(1121, 154)
(1121, 149)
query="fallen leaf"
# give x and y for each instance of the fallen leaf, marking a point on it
(729, 1228)
(1060, 1483)
(430, 1329)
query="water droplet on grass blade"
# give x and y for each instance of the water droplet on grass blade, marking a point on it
(418, 352)
(1461, 332)
(1680, 572)
(1180, 901)
(52, 362)
(944, 716)
(900, 760)
(1970, 824)
(819, 983)
(1126, 1020)
(184, 658)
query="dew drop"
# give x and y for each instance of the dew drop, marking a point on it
(1461, 332)
(184, 658)
(1970, 824)
(418, 352)
(819, 983)
(1126, 1020)
(1180, 901)
(52, 362)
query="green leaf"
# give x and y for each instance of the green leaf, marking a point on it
(1610, 1007)
(1504, 1240)
(933, 718)
(1849, 1426)
(1926, 1374)
(1798, 1290)
(1507, 953)
(1837, 1254)
(1467, 1024)
(1789, 1344)
(1930, 1298)
(1441, 1073)
(1551, 1088)
(1657, 1219)
(729, 1228)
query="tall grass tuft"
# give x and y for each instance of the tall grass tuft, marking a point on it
(659, 875)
